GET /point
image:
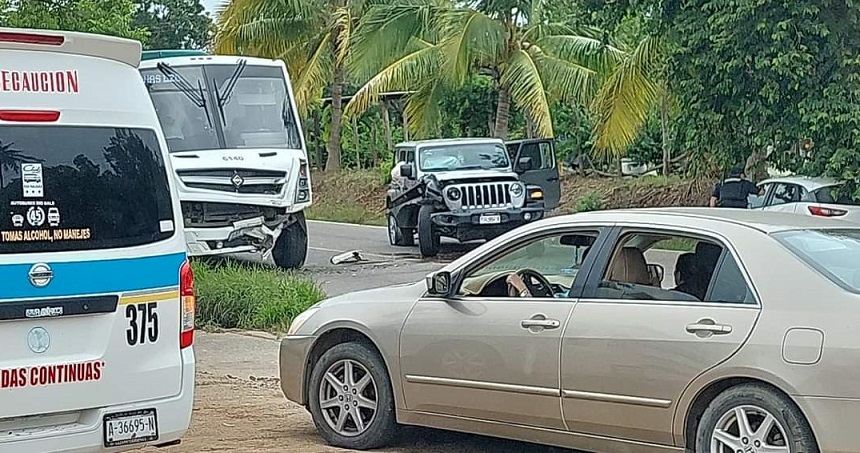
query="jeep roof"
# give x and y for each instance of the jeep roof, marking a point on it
(449, 141)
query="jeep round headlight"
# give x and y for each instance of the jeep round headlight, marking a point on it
(517, 190)
(453, 193)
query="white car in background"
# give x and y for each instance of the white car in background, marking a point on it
(806, 195)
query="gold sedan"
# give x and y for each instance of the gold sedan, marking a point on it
(659, 330)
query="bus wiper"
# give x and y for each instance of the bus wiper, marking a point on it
(224, 96)
(196, 96)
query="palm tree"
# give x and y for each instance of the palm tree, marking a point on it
(636, 87)
(311, 36)
(433, 46)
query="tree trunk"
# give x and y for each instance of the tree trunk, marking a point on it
(502, 113)
(530, 127)
(374, 150)
(333, 163)
(386, 124)
(405, 123)
(318, 140)
(357, 141)
(664, 125)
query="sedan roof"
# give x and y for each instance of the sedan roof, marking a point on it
(764, 221)
(807, 182)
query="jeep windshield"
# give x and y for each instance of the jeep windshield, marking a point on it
(219, 106)
(484, 156)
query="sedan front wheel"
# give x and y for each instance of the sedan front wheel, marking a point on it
(753, 418)
(350, 398)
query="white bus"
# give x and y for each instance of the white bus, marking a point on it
(237, 146)
(96, 292)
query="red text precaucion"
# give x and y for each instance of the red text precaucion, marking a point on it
(39, 81)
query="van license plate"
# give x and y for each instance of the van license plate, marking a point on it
(490, 219)
(126, 428)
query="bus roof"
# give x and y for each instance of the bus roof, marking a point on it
(168, 53)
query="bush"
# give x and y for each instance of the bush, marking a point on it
(244, 296)
(591, 201)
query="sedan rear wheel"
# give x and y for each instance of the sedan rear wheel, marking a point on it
(754, 418)
(351, 400)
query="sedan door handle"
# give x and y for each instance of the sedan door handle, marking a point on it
(540, 322)
(709, 326)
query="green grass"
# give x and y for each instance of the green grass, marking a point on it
(344, 212)
(254, 297)
(591, 201)
(676, 245)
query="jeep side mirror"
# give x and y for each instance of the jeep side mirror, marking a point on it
(439, 283)
(524, 164)
(406, 171)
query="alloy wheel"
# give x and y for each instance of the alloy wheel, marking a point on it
(348, 398)
(749, 429)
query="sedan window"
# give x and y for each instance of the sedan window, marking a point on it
(833, 253)
(650, 266)
(557, 258)
(785, 193)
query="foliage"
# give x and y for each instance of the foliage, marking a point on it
(436, 46)
(591, 201)
(246, 296)
(174, 24)
(753, 74)
(107, 17)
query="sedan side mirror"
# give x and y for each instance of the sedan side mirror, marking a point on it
(439, 283)
(406, 171)
(524, 164)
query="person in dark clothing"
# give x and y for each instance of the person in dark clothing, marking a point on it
(734, 192)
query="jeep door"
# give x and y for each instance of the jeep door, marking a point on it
(544, 171)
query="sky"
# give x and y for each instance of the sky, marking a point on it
(211, 5)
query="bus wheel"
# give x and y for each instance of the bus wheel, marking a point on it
(291, 248)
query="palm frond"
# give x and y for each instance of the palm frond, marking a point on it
(565, 80)
(470, 37)
(423, 108)
(386, 32)
(414, 68)
(314, 75)
(343, 33)
(627, 97)
(589, 52)
(523, 79)
(263, 28)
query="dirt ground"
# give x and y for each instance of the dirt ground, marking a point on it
(239, 408)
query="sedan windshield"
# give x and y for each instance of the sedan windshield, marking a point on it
(469, 156)
(835, 253)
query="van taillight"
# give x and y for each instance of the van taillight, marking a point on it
(30, 116)
(826, 212)
(188, 305)
(32, 38)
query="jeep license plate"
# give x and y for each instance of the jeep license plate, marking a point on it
(490, 219)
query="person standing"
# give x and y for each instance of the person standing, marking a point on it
(733, 192)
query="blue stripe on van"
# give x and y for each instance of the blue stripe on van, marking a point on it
(93, 277)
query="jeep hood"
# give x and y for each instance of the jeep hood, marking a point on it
(498, 173)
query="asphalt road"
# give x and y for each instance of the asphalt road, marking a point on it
(381, 264)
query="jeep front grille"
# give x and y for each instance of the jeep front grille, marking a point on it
(486, 195)
(235, 181)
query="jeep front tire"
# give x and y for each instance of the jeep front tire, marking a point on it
(429, 240)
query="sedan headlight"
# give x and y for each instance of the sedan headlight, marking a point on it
(301, 320)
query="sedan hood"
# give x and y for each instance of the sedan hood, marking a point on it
(402, 293)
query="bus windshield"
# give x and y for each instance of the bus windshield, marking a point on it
(243, 106)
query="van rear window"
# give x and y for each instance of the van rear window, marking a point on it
(66, 188)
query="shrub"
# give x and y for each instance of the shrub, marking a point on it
(591, 201)
(248, 296)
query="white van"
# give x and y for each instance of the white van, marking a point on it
(96, 293)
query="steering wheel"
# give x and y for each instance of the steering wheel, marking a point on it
(537, 284)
